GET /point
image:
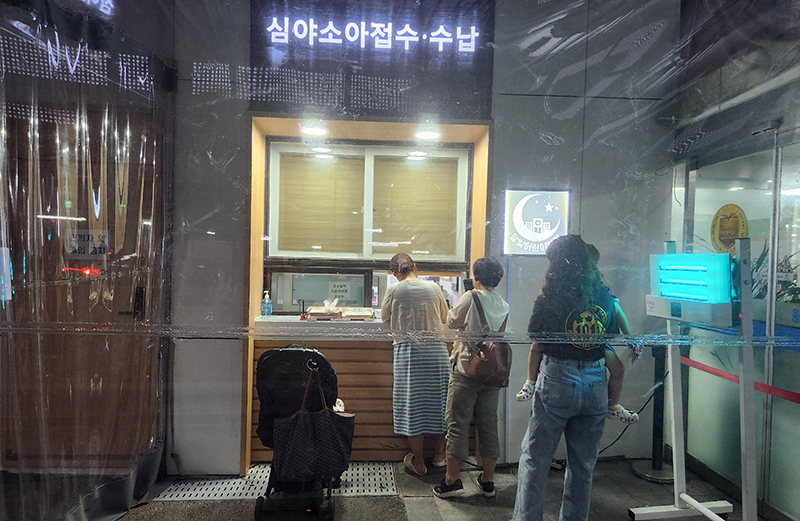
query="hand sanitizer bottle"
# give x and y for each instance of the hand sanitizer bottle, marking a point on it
(266, 305)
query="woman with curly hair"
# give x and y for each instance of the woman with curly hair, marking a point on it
(566, 362)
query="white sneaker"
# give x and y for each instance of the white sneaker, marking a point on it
(525, 394)
(624, 415)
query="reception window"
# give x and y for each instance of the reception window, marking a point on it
(367, 202)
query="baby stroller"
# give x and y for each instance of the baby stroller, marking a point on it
(283, 378)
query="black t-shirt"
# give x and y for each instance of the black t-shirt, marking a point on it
(599, 319)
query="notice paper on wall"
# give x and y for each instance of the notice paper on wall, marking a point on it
(5, 273)
(339, 289)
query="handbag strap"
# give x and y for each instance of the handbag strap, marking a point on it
(482, 314)
(319, 387)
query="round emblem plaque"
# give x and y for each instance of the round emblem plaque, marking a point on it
(729, 223)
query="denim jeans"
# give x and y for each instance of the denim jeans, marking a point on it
(571, 397)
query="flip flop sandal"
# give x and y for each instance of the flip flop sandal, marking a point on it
(408, 462)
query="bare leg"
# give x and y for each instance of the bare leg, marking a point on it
(616, 378)
(453, 469)
(416, 443)
(439, 453)
(488, 469)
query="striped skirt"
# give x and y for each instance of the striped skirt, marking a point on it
(421, 374)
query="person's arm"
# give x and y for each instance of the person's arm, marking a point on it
(622, 320)
(443, 307)
(457, 317)
(386, 306)
(534, 359)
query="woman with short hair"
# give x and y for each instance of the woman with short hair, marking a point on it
(466, 396)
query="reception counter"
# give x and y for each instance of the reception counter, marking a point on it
(361, 354)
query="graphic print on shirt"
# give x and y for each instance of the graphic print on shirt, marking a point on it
(590, 322)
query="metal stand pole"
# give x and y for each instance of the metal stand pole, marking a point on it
(747, 406)
(655, 470)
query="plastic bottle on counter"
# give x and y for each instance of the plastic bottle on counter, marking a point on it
(266, 305)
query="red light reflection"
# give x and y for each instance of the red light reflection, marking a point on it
(85, 271)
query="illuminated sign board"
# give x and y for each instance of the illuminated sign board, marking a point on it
(534, 219)
(387, 57)
(381, 35)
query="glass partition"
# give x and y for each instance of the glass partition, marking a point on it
(293, 292)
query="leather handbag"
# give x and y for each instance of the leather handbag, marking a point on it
(312, 445)
(490, 362)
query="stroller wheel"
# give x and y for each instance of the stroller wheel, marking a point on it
(259, 508)
(326, 510)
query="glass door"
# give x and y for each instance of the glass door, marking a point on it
(784, 423)
(732, 199)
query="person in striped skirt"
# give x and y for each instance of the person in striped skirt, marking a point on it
(416, 311)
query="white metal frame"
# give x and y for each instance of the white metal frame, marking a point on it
(369, 153)
(684, 505)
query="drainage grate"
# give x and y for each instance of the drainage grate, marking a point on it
(361, 479)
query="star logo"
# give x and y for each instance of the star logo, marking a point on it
(548, 207)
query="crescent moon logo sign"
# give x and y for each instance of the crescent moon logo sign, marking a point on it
(524, 230)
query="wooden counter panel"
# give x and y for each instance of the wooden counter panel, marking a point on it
(361, 429)
(346, 354)
(358, 406)
(364, 372)
(365, 376)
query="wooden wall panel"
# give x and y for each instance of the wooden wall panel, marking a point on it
(321, 203)
(416, 201)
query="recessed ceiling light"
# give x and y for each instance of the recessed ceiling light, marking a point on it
(321, 150)
(735, 188)
(793, 191)
(419, 153)
(323, 156)
(317, 247)
(428, 133)
(314, 128)
(416, 158)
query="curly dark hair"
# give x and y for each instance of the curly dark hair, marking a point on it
(488, 271)
(572, 278)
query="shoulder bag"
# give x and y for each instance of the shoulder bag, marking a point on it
(312, 445)
(490, 363)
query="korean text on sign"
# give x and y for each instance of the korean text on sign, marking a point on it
(382, 35)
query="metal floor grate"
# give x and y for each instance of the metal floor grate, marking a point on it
(361, 479)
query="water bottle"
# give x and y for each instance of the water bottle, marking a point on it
(266, 305)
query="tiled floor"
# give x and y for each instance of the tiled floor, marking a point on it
(616, 489)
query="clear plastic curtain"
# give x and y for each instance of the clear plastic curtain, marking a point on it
(82, 206)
